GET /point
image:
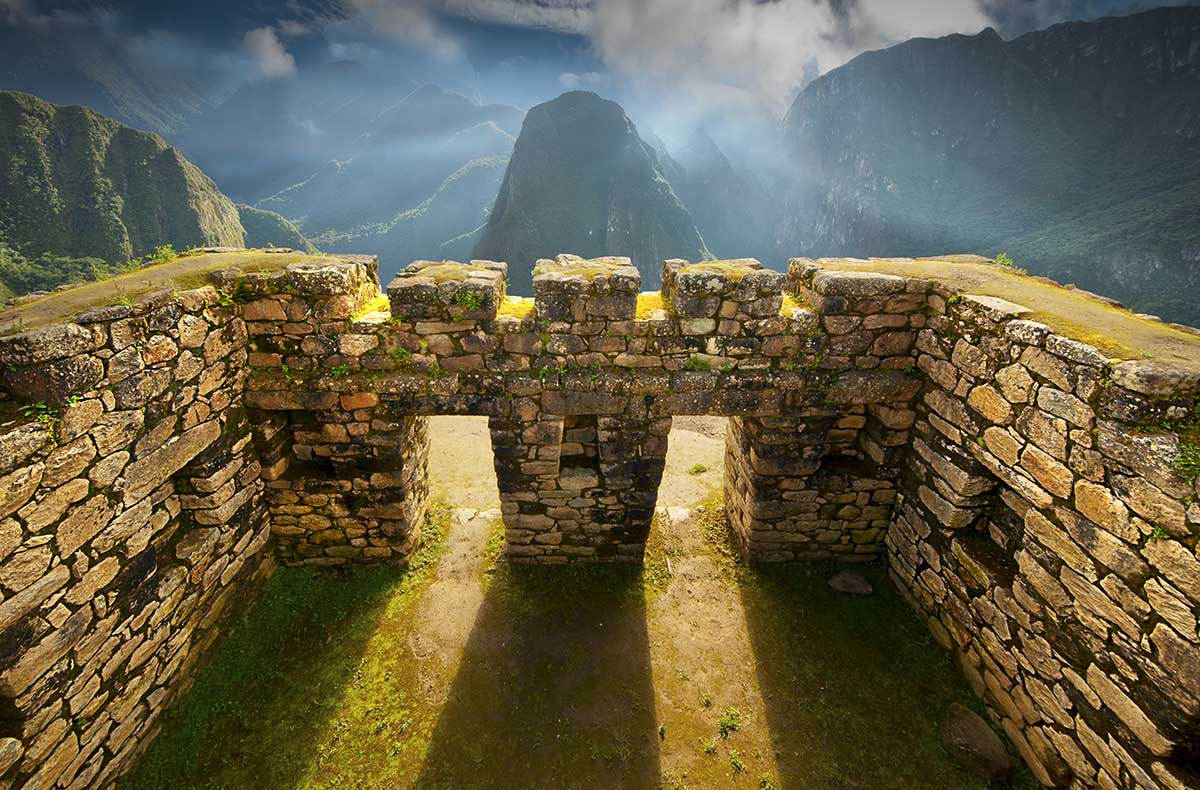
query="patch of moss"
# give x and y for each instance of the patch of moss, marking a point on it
(790, 305)
(450, 271)
(647, 303)
(376, 304)
(731, 270)
(516, 307)
(585, 269)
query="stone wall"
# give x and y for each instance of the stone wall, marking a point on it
(1048, 532)
(131, 527)
(580, 392)
(157, 459)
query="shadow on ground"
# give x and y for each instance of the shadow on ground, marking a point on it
(554, 687)
(857, 682)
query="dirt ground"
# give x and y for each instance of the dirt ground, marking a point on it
(461, 471)
(465, 672)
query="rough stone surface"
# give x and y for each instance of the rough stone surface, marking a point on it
(974, 744)
(1026, 499)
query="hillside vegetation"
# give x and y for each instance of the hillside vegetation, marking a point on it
(75, 183)
(268, 229)
(1075, 149)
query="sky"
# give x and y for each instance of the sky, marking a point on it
(745, 55)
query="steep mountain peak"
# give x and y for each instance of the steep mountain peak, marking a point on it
(582, 180)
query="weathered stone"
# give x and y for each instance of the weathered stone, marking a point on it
(17, 487)
(968, 738)
(991, 405)
(1100, 505)
(18, 444)
(850, 583)
(145, 474)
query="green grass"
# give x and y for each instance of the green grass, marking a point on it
(290, 678)
(331, 682)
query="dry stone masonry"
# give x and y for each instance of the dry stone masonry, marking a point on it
(158, 460)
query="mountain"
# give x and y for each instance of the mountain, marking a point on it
(582, 181)
(729, 207)
(75, 183)
(270, 134)
(422, 173)
(268, 229)
(1075, 149)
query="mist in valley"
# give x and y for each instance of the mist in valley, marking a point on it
(827, 128)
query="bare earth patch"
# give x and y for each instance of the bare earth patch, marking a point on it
(463, 671)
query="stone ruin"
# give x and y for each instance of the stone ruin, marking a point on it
(1024, 492)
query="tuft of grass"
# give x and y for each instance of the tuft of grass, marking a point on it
(164, 253)
(697, 469)
(730, 721)
(697, 363)
(1187, 463)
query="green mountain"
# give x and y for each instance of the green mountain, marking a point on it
(1074, 149)
(75, 183)
(422, 173)
(268, 229)
(582, 181)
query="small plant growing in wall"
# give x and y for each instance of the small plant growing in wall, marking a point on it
(1187, 463)
(40, 411)
(698, 469)
(339, 371)
(1003, 260)
(697, 364)
(401, 357)
(468, 300)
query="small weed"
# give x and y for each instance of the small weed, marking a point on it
(912, 371)
(401, 357)
(287, 374)
(40, 411)
(224, 298)
(469, 300)
(765, 782)
(339, 371)
(697, 364)
(730, 721)
(1003, 260)
(73, 401)
(1187, 463)
(710, 747)
(735, 762)
(164, 253)
(954, 299)
(1156, 534)
(706, 700)
(698, 469)
(727, 368)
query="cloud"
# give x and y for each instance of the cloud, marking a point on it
(588, 79)
(565, 16)
(765, 48)
(267, 52)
